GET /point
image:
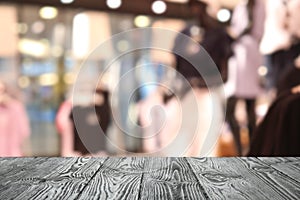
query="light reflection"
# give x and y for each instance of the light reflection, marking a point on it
(141, 21)
(48, 79)
(37, 27)
(22, 28)
(33, 48)
(48, 12)
(81, 35)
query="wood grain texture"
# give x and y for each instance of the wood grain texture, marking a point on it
(119, 178)
(149, 178)
(48, 178)
(288, 166)
(221, 179)
(281, 185)
(242, 178)
(170, 178)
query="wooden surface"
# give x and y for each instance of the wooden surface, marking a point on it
(149, 178)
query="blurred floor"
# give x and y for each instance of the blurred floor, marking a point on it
(225, 146)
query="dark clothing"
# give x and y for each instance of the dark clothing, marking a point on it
(291, 79)
(233, 123)
(216, 42)
(279, 132)
(282, 63)
(89, 119)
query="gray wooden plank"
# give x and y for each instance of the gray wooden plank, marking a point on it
(18, 174)
(66, 182)
(56, 178)
(12, 169)
(238, 178)
(280, 183)
(69, 182)
(286, 166)
(170, 178)
(149, 178)
(118, 178)
(274, 160)
(221, 180)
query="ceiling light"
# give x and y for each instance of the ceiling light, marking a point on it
(178, 1)
(113, 4)
(223, 15)
(66, 1)
(159, 7)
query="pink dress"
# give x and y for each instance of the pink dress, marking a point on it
(14, 128)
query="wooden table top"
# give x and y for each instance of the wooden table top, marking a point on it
(149, 178)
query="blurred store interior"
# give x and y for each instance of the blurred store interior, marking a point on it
(45, 44)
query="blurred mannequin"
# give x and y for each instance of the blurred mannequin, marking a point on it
(14, 126)
(214, 37)
(243, 83)
(276, 36)
(280, 42)
(216, 41)
(90, 127)
(188, 116)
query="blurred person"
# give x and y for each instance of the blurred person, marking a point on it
(278, 133)
(213, 37)
(65, 128)
(14, 125)
(280, 41)
(217, 42)
(191, 130)
(243, 82)
(87, 139)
